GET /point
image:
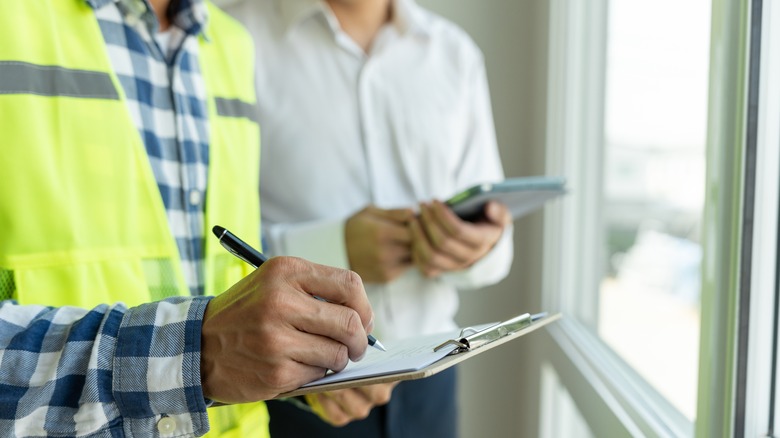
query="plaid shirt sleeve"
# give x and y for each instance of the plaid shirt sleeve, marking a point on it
(109, 371)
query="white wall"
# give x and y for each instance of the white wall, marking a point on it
(499, 391)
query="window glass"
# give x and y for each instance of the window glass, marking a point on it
(653, 190)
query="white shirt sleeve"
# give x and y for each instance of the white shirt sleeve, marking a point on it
(317, 241)
(481, 163)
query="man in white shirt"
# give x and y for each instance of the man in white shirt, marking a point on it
(371, 111)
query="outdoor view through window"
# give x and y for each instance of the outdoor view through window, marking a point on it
(653, 190)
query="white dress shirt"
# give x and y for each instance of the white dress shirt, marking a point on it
(341, 129)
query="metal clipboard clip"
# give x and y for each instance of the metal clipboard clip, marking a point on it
(471, 339)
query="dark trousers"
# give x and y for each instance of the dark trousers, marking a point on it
(425, 408)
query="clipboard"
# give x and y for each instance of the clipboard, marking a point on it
(450, 350)
(520, 195)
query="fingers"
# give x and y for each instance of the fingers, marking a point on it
(395, 255)
(379, 394)
(313, 400)
(438, 217)
(267, 334)
(391, 225)
(448, 235)
(399, 215)
(498, 213)
(443, 242)
(340, 407)
(339, 326)
(245, 352)
(378, 243)
(335, 285)
(389, 233)
(299, 342)
(425, 256)
(380, 225)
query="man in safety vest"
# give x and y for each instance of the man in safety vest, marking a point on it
(127, 130)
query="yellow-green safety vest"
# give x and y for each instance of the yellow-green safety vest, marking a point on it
(81, 214)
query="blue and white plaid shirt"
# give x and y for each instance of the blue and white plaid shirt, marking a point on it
(167, 100)
(105, 372)
(113, 371)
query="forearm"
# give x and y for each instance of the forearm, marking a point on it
(105, 370)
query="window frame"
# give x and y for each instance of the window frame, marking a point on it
(754, 415)
(585, 365)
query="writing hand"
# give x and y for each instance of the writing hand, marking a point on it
(442, 242)
(378, 243)
(343, 406)
(266, 335)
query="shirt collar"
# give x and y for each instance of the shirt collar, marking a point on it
(190, 15)
(293, 12)
(408, 17)
(97, 4)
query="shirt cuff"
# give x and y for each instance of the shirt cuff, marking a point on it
(156, 368)
(318, 241)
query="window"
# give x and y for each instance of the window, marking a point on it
(668, 245)
(627, 126)
(652, 196)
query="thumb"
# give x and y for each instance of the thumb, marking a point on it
(402, 215)
(498, 213)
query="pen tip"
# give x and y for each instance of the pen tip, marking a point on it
(379, 345)
(218, 231)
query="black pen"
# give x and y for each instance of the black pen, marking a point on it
(255, 258)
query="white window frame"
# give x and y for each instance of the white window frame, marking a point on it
(611, 397)
(585, 365)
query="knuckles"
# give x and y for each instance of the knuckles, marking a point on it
(362, 411)
(280, 266)
(441, 244)
(279, 379)
(382, 397)
(352, 280)
(340, 358)
(338, 420)
(275, 303)
(351, 323)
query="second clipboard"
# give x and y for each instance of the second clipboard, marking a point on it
(451, 356)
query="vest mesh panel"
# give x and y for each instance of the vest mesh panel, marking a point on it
(224, 263)
(161, 278)
(7, 286)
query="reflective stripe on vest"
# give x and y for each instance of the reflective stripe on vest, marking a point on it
(235, 108)
(83, 217)
(46, 80)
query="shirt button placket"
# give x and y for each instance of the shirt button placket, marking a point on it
(195, 197)
(166, 425)
(365, 119)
